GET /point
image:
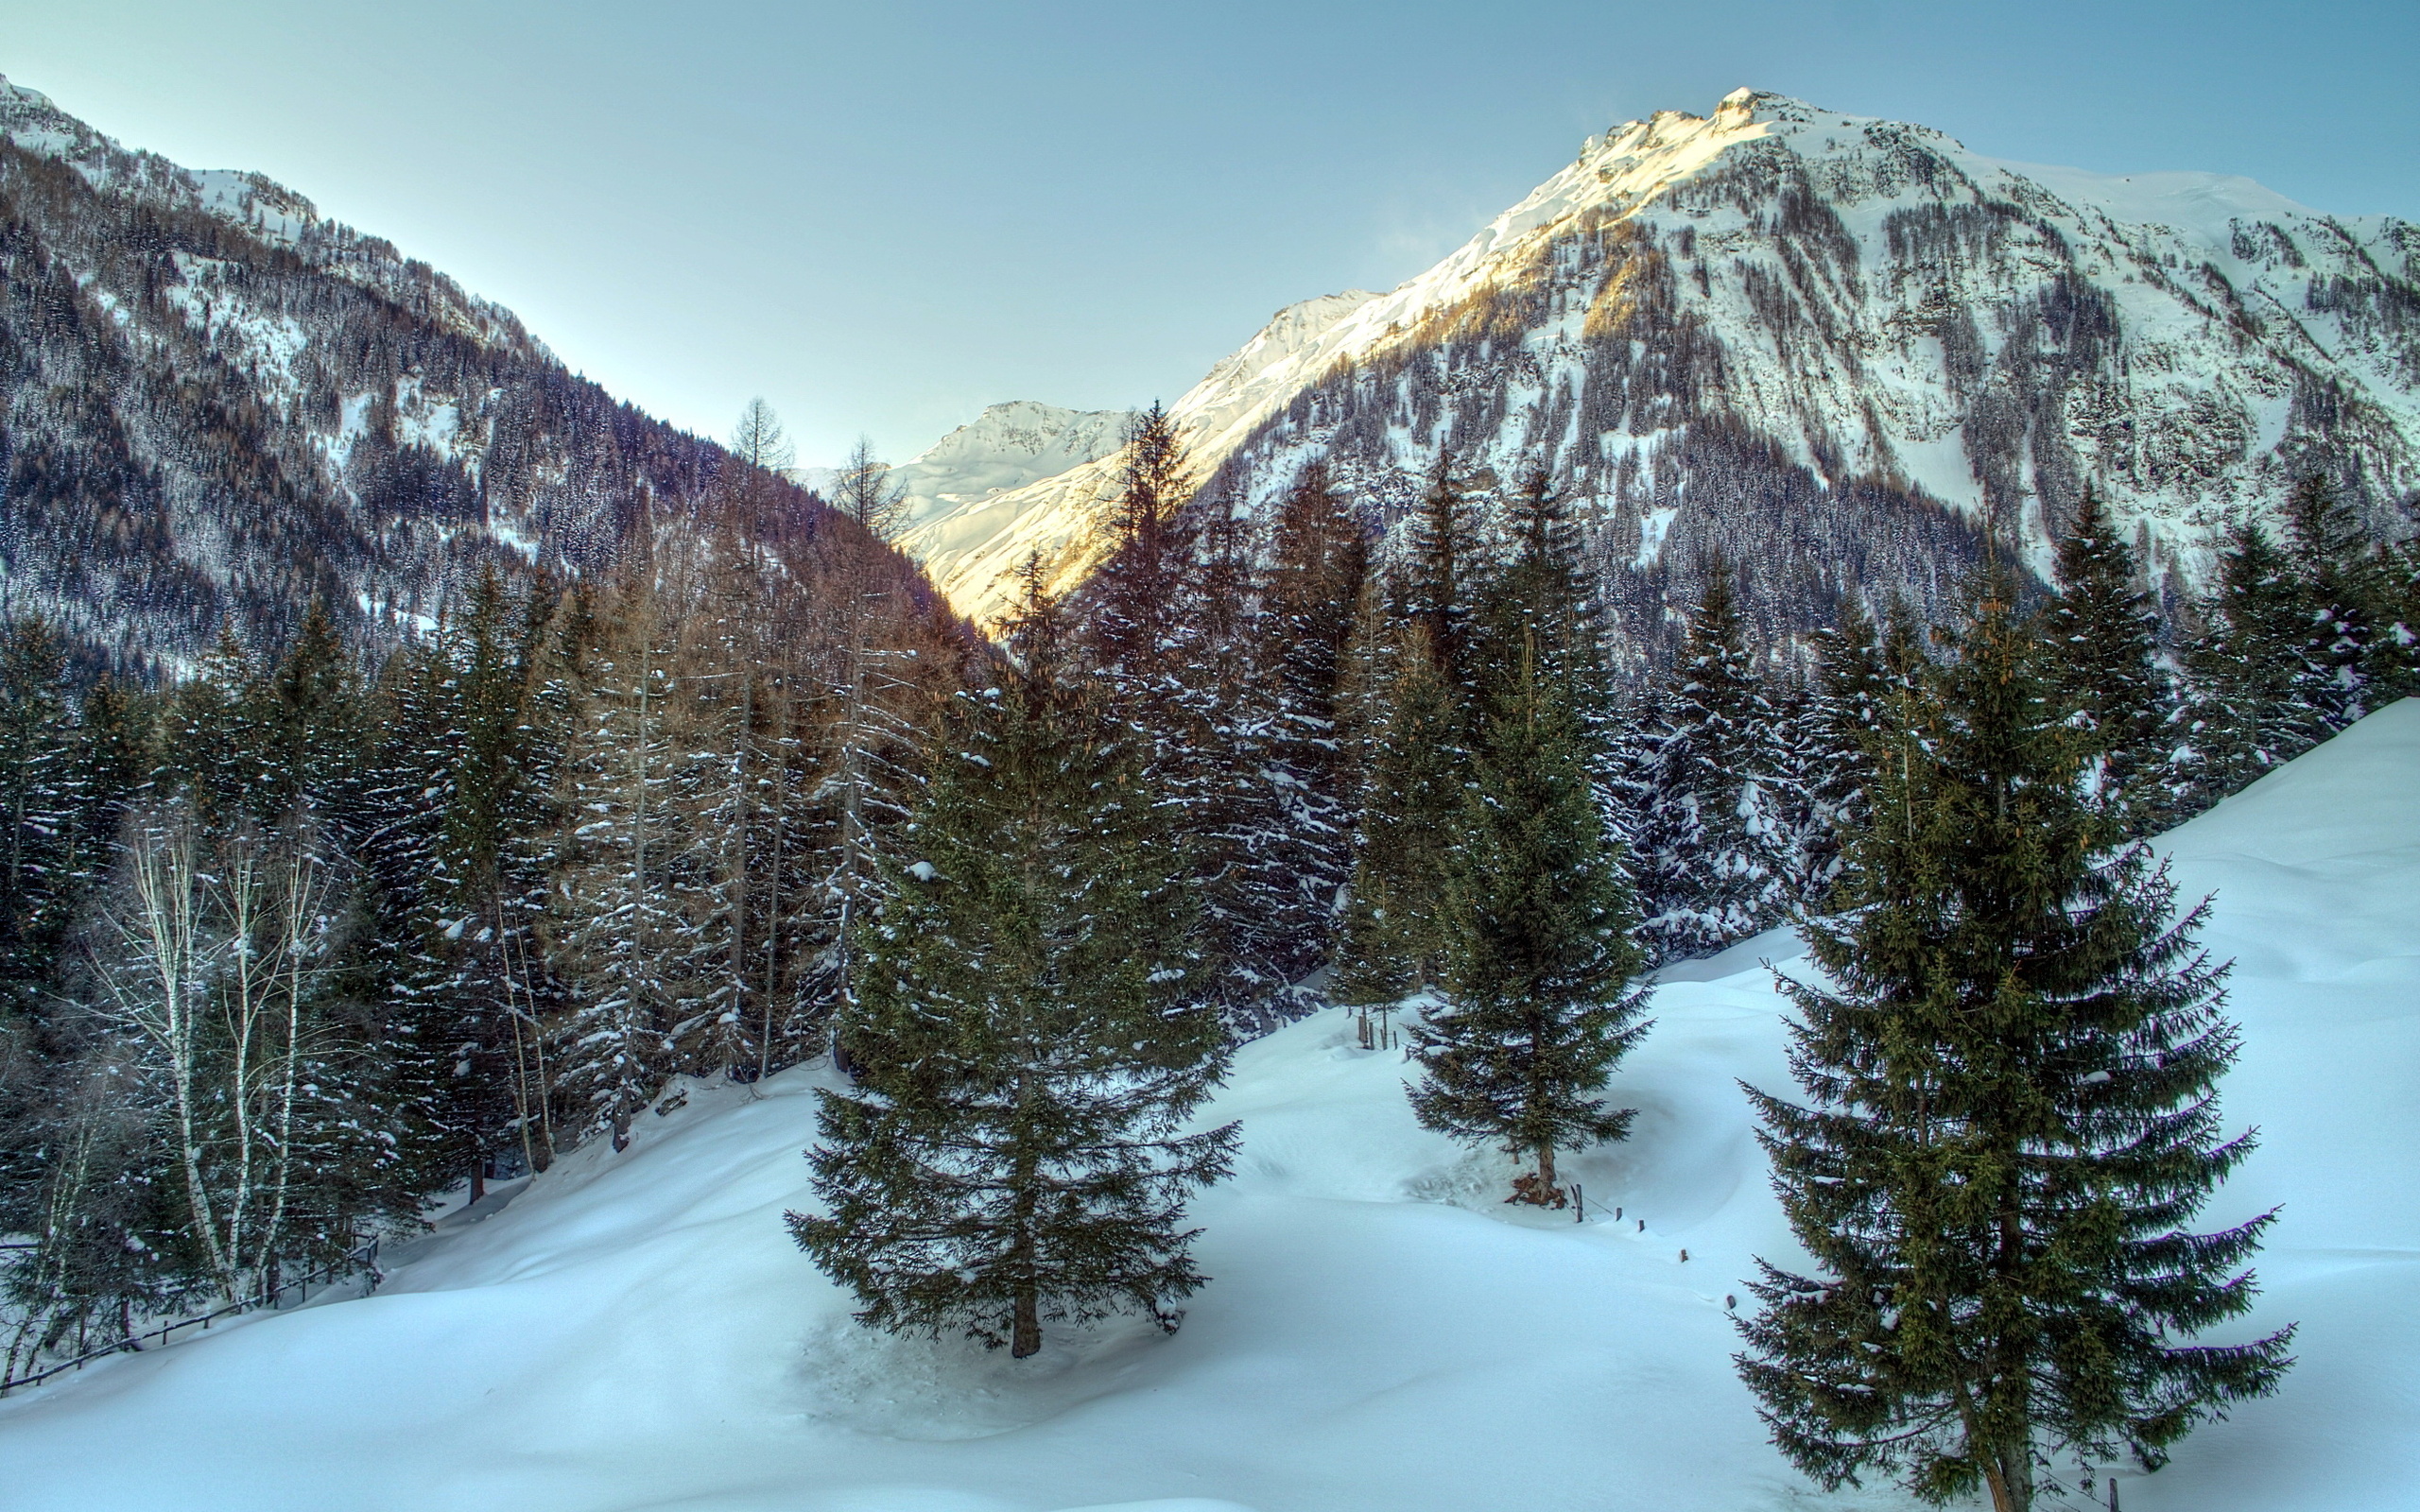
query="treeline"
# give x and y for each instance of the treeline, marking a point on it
(296, 943)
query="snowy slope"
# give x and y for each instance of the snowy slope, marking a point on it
(637, 1333)
(1734, 318)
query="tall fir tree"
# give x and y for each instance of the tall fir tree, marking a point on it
(1711, 841)
(1863, 672)
(1319, 566)
(41, 801)
(1394, 937)
(1539, 1008)
(2010, 1115)
(1028, 1040)
(2258, 699)
(2106, 674)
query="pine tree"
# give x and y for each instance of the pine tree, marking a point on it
(2010, 1115)
(1539, 1009)
(1028, 1039)
(2106, 673)
(1712, 842)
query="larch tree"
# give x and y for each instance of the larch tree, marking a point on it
(865, 491)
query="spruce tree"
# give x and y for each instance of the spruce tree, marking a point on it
(1862, 673)
(1394, 937)
(41, 802)
(1418, 670)
(2103, 630)
(1028, 1038)
(2010, 1117)
(1439, 571)
(1711, 840)
(2259, 698)
(2336, 576)
(1320, 564)
(1538, 1009)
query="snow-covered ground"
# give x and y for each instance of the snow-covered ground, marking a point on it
(637, 1332)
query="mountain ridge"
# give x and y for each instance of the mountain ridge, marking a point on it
(217, 407)
(1842, 306)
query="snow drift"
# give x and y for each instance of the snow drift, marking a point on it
(637, 1332)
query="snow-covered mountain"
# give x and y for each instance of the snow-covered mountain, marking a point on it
(972, 550)
(1381, 1333)
(216, 405)
(1833, 346)
(964, 492)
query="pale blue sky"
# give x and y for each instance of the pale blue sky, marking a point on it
(883, 216)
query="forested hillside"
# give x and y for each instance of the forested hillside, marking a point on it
(217, 408)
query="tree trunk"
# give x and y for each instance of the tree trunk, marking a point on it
(1025, 1338)
(1546, 1173)
(2002, 1499)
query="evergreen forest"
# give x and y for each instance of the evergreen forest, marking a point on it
(306, 937)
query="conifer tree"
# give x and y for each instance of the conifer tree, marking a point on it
(1712, 842)
(2259, 699)
(306, 712)
(1319, 568)
(2010, 1118)
(41, 804)
(1539, 1009)
(1440, 572)
(2334, 571)
(1541, 608)
(1394, 937)
(1136, 590)
(2104, 630)
(1862, 672)
(617, 916)
(1029, 1037)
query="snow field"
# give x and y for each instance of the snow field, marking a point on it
(638, 1332)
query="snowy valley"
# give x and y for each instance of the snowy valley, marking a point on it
(1677, 712)
(1381, 1334)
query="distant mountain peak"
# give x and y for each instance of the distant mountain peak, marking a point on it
(1833, 347)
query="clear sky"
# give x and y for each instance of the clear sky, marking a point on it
(883, 215)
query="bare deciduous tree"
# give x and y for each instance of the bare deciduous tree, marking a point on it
(865, 491)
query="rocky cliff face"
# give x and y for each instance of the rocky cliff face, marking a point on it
(215, 405)
(1834, 349)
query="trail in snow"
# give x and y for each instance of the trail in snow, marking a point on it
(637, 1332)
